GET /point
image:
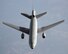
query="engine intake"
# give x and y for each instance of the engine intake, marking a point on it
(22, 36)
(43, 35)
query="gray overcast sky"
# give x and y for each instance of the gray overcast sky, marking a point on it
(56, 41)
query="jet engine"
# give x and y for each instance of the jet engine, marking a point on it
(43, 35)
(22, 35)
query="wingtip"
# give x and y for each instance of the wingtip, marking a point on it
(3, 22)
(21, 13)
(46, 12)
(62, 20)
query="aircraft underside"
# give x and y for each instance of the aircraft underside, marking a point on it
(33, 30)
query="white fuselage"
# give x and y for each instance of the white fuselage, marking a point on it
(33, 31)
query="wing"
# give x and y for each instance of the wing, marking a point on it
(39, 15)
(22, 29)
(49, 26)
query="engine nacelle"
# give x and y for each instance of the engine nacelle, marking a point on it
(22, 36)
(43, 35)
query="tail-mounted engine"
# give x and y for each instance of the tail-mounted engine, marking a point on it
(43, 35)
(22, 35)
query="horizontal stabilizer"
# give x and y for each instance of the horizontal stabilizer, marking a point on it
(39, 15)
(26, 15)
(49, 26)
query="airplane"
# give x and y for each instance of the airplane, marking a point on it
(33, 30)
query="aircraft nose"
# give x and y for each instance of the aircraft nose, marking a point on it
(32, 46)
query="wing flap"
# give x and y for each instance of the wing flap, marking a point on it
(49, 26)
(25, 30)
